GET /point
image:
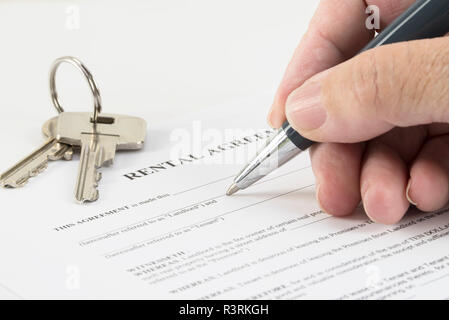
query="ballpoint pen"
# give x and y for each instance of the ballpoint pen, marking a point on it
(424, 19)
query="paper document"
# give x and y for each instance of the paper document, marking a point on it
(163, 228)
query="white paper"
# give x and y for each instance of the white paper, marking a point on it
(173, 234)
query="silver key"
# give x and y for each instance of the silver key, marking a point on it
(37, 161)
(98, 142)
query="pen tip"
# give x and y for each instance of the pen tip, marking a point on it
(232, 189)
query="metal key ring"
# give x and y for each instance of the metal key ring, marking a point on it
(80, 66)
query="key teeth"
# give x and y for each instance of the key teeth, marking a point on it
(91, 198)
(21, 183)
(23, 180)
(16, 177)
(93, 194)
(13, 185)
(94, 197)
(96, 193)
(96, 152)
(40, 168)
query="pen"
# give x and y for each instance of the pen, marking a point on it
(424, 19)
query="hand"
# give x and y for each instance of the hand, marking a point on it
(382, 116)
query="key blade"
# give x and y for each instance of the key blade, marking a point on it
(87, 180)
(106, 152)
(33, 164)
(96, 151)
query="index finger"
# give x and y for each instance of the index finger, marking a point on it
(336, 33)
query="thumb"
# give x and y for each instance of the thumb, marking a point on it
(403, 84)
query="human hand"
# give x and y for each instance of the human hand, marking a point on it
(383, 116)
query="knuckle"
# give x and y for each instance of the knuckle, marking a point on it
(400, 58)
(426, 82)
(401, 84)
(383, 83)
(368, 82)
(438, 74)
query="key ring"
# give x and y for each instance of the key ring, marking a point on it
(93, 86)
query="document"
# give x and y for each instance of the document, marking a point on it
(164, 229)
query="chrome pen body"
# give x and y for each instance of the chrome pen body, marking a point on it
(280, 148)
(423, 19)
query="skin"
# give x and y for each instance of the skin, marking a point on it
(383, 116)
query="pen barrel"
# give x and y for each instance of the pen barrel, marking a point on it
(422, 20)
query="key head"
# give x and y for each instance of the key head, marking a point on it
(49, 128)
(130, 131)
(49, 131)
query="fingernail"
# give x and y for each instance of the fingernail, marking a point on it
(273, 116)
(304, 106)
(366, 200)
(407, 193)
(270, 115)
(317, 195)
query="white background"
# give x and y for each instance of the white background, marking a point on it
(156, 59)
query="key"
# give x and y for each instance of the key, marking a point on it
(99, 142)
(37, 161)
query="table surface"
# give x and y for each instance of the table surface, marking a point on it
(156, 59)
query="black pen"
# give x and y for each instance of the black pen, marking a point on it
(424, 19)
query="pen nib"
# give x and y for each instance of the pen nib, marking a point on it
(232, 189)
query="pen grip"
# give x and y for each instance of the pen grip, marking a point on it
(297, 139)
